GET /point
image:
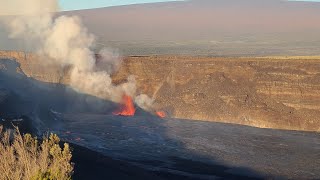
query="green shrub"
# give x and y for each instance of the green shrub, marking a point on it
(24, 157)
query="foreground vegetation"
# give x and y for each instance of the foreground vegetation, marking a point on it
(24, 157)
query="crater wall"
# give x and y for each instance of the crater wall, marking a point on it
(268, 93)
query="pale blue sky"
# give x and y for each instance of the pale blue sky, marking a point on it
(87, 4)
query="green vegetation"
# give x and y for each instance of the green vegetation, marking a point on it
(24, 157)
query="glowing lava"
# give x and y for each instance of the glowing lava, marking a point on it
(161, 114)
(127, 107)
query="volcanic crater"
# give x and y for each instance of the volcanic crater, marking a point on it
(260, 92)
(201, 105)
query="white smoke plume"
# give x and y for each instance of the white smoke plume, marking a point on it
(28, 7)
(144, 101)
(67, 42)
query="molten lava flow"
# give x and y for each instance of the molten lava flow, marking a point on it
(127, 108)
(161, 114)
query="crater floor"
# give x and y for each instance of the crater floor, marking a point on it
(255, 92)
(272, 92)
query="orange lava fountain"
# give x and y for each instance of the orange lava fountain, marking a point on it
(127, 107)
(161, 114)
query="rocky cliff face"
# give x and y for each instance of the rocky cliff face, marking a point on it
(37, 67)
(268, 93)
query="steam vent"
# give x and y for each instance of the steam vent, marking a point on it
(160, 89)
(259, 92)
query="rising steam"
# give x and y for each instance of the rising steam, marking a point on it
(67, 42)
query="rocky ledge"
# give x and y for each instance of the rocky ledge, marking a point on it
(261, 92)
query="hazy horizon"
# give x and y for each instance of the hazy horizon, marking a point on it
(273, 27)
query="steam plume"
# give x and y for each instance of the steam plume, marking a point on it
(68, 43)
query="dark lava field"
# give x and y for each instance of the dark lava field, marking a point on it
(174, 147)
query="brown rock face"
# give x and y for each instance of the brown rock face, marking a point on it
(37, 67)
(268, 93)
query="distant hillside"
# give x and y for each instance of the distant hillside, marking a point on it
(201, 19)
(208, 27)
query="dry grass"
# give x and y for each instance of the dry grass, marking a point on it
(23, 157)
